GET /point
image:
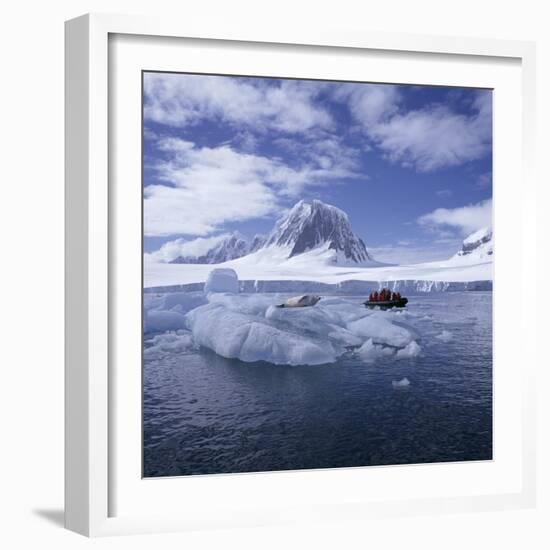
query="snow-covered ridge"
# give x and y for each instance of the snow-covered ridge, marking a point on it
(476, 247)
(232, 247)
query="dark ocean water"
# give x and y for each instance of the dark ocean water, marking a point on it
(204, 414)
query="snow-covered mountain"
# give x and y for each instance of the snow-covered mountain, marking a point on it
(476, 248)
(308, 226)
(230, 248)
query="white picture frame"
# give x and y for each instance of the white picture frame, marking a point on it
(91, 221)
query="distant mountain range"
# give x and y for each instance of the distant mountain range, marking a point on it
(314, 225)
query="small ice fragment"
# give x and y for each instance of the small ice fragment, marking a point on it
(369, 351)
(445, 336)
(382, 331)
(410, 350)
(222, 280)
(399, 384)
(168, 343)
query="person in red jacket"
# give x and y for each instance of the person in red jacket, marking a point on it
(375, 296)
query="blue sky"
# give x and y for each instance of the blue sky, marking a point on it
(410, 165)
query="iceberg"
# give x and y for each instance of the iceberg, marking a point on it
(222, 280)
(250, 338)
(251, 327)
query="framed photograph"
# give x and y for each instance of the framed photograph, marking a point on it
(293, 290)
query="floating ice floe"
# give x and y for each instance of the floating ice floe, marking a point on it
(165, 312)
(251, 328)
(251, 338)
(401, 384)
(445, 336)
(168, 343)
(382, 330)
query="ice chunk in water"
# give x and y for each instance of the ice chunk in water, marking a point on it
(163, 320)
(445, 336)
(410, 350)
(164, 312)
(401, 384)
(167, 343)
(369, 352)
(382, 331)
(222, 280)
(250, 338)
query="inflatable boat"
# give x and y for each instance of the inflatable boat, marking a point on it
(388, 304)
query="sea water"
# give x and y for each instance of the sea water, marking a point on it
(204, 414)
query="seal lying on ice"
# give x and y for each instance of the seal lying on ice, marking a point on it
(306, 300)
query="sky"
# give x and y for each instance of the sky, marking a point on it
(410, 165)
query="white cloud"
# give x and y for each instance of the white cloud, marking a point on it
(370, 104)
(425, 139)
(466, 219)
(286, 105)
(200, 189)
(205, 188)
(325, 152)
(181, 247)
